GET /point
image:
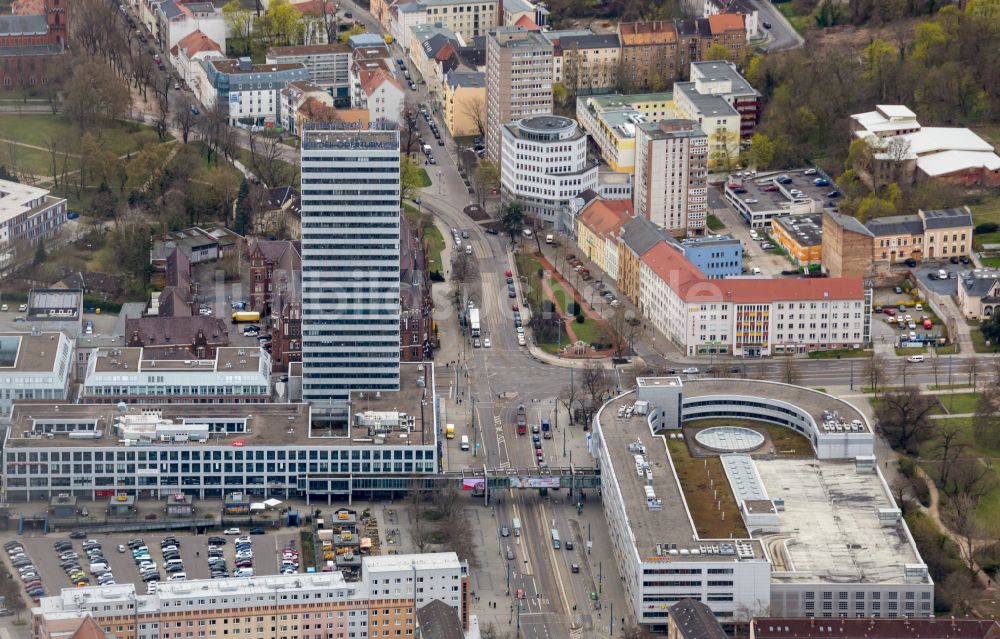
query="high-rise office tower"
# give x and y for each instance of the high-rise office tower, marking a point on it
(518, 81)
(350, 261)
(671, 175)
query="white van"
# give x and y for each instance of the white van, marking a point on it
(465, 442)
(550, 239)
(915, 359)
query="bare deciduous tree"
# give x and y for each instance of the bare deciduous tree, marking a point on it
(266, 161)
(492, 632)
(594, 379)
(476, 112)
(418, 529)
(789, 371)
(960, 516)
(568, 398)
(626, 328)
(972, 478)
(972, 370)
(949, 448)
(875, 372)
(635, 631)
(935, 367)
(185, 119)
(409, 132)
(904, 417)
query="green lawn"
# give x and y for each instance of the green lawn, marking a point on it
(937, 410)
(563, 297)
(979, 342)
(989, 510)
(38, 128)
(910, 351)
(435, 245)
(714, 223)
(22, 160)
(527, 269)
(243, 155)
(704, 483)
(425, 180)
(966, 435)
(590, 331)
(958, 403)
(435, 242)
(787, 442)
(839, 354)
(987, 211)
(799, 23)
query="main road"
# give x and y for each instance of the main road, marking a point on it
(506, 375)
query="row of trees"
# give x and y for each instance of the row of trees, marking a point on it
(281, 24)
(946, 67)
(945, 453)
(102, 32)
(624, 10)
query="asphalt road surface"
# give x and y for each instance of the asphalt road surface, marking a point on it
(781, 35)
(539, 570)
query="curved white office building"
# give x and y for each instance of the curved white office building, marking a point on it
(544, 165)
(719, 513)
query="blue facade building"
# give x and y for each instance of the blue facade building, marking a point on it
(716, 256)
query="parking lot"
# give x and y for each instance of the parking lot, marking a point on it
(945, 287)
(758, 198)
(771, 264)
(887, 327)
(193, 551)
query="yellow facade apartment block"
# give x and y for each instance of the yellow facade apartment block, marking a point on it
(465, 103)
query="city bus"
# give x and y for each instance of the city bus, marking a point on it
(555, 539)
(246, 316)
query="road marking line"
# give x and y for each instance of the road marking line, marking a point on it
(555, 567)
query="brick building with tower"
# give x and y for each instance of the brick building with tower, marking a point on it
(31, 40)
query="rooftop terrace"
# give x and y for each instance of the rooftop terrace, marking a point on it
(652, 528)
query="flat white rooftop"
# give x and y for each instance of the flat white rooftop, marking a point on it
(17, 198)
(829, 530)
(425, 561)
